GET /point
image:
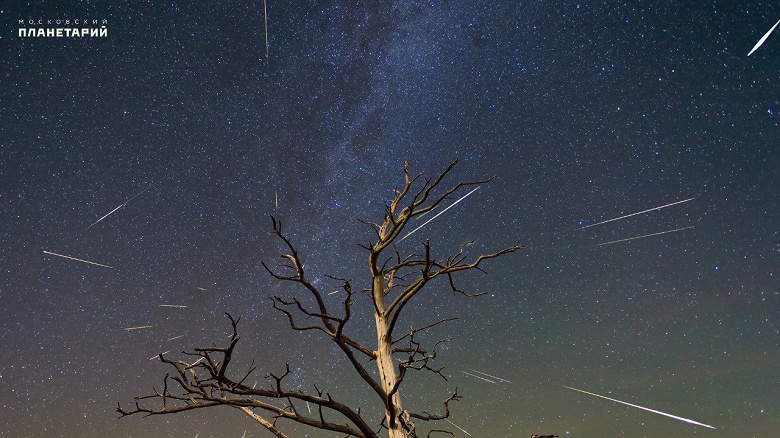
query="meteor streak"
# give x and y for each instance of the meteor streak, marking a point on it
(173, 305)
(643, 236)
(644, 408)
(763, 38)
(126, 202)
(334, 292)
(108, 214)
(265, 15)
(486, 374)
(424, 214)
(440, 213)
(139, 328)
(463, 430)
(78, 260)
(474, 375)
(175, 337)
(639, 212)
(158, 355)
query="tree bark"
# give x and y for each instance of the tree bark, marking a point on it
(387, 372)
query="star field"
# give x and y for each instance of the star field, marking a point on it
(582, 111)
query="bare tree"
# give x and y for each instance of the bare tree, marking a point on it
(395, 281)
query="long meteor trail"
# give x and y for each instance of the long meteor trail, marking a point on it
(158, 355)
(139, 328)
(643, 236)
(126, 202)
(78, 260)
(494, 377)
(761, 41)
(639, 212)
(462, 429)
(687, 420)
(478, 377)
(265, 15)
(440, 213)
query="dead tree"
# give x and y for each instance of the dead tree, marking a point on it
(395, 281)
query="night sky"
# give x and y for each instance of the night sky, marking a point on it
(582, 111)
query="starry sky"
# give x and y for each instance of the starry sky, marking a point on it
(583, 111)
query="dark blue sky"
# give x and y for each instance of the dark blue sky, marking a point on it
(582, 111)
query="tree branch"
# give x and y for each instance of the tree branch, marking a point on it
(217, 388)
(434, 269)
(426, 416)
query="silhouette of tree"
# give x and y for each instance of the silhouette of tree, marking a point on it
(395, 281)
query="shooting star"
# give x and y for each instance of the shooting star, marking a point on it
(424, 214)
(334, 292)
(265, 15)
(308, 407)
(126, 202)
(646, 409)
(78, 260)
(175, 337)
(478, 377)
(200, 288)
(158, 355)
(643, 236)
(277, 200)
(196, 436)
(462, 429)
(639, 212)
(179, 306)
(763, 38)
(197, 362)
(244, 434)
(494, 377)
(139, 328)
(440, 213)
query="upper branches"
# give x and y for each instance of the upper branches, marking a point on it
(421, 202)
(411, 273)
(432, 269)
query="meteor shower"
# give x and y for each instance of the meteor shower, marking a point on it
(396, 219)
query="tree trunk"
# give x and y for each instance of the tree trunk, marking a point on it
(384, 361)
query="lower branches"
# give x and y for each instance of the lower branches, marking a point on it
(207, 382)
